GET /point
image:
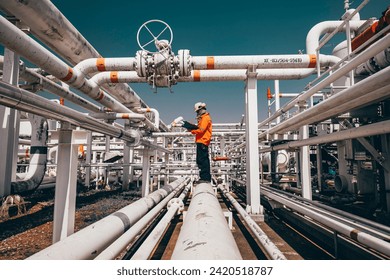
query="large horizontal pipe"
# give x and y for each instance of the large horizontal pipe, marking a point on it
(261, 61)
(89, 242)
(260, 235)
(17, 41)
(112, 251)
(24, 100)
(147, 247)
(205, 234)
(357, 132)
(370, 89)
(351, 232)
(337, 74)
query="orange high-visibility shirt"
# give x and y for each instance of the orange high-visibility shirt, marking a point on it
(204, 131)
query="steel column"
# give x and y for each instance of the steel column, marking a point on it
(252, 149)
(145, 172)
(66, 181)
(304, 165)
(9, 129)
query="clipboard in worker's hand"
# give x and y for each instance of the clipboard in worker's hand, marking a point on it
(189, 126)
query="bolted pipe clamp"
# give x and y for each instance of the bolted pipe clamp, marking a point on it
(176, 202)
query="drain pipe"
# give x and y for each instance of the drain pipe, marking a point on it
(260, 235)
(112, 251)
(205, 234)
(175, 206)
(38, 156)
(92, 240)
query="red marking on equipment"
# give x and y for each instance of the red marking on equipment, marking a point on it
(114, 76)
(101, 95)
(313, 60)
(210, 62)
(69, 75)
(101, 64)
(269, 94)
(196, 75)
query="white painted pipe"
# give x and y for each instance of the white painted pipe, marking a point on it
(271, 249)
(112, 251)
(205, 234)
(174, 206)
(116, 116)
(155, 113)
(32, 103)
(101, 64)
(90, 241)
(261, 61)
(240, 75)
(367, 90)
(362, 57)
(362, 237)
(33, 77)
(38, 156)
(313, 36)
(353, 133)
(16, 40)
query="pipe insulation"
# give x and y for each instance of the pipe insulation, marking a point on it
(205, 234)
(89, 242)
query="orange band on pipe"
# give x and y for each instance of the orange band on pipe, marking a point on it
(101, 95)
(148, 109)
(114, 76)
(313, 60)
(101, 64)
(62, 101)
(27, 152)
(196, 75)
(125, 116)
(69, 75)
(210, 62)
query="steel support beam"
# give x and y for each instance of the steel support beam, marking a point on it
(9, 129)
(252, 145)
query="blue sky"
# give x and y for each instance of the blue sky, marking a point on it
(209, 28)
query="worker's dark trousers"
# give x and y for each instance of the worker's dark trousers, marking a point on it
(203, 161)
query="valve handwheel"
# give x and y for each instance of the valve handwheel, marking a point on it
(149, 29)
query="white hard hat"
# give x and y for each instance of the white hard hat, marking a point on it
(199, 105)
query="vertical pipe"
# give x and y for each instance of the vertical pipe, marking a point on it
(145, 172)
(252, 149)
(87, 181)
(277, 99)
(205, 234)
(305, 162)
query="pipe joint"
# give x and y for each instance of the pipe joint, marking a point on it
(176, 202)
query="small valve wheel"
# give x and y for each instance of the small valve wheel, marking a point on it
(155, 29)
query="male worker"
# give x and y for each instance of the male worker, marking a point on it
(203, 134)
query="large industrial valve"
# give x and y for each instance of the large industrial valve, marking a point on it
(160, 66)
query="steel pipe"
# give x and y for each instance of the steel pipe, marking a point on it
(366, 91)
(352, 133)
(351, 232)
(271, 249)
(261, 61)
(24, 100)
(16, 40)
(174, 206)
(90, 241)
(101, 64)
(205, 234)
(337, 74)
(112, 251)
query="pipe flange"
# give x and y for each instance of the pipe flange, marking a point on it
(176, 202)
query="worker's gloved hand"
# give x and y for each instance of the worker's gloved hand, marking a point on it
(189, 126)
